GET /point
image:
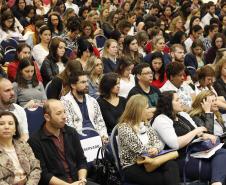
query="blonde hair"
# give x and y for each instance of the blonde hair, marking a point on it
(219, 66)
(156, 39)
(90, 66)
(107, 44)
(197, 109)
(173, 23)
(132, 114)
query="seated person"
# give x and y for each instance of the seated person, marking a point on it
(55, 61)
(23, 51)
(136, 136)
(144, 76)
(58, 148)
(127, 80)
(94, 69)
(81, 109)
(8, 28)
(18, 164)
(206, 76)
(111, 105)
(175, 75)
(177, 129)
(29, 93)
(205, 112)
(7, 99)
(220, 84)
(59, 85)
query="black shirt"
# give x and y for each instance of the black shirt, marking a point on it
(110, 112)
(152, 95)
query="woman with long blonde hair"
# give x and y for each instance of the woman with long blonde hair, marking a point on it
(176, 25)
(136, 137)
(94, 69)
(205, 112)
(109, 56)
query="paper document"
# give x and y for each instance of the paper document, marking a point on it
(208, 153)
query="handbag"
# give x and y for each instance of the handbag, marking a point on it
(151, 164)
(105, 171)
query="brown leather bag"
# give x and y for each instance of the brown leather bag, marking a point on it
(152, 164)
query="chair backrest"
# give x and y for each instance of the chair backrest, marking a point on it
(115, 147)
(35, 119)
(91, 142)
(9, 48)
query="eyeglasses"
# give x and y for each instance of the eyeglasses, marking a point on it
(147, 73)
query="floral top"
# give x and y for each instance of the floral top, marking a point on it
(131, 146)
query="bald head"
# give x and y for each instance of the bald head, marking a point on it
(50, 104)
(54, 114)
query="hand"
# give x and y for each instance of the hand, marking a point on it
(153, 151)
(199, 130)
(206, 105)
(212, 138)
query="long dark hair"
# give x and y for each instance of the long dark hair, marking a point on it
(7, 113)
(108, 81)
(60, 25)
(53, 46)
(25, 62)
(161, 71)
(5, 16)
(164, 105)
(126, 50)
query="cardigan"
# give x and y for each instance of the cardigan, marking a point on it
(164, 126)
(27, 160)
(130, 146)
(75, 118)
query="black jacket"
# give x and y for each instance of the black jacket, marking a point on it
(220, 87)
(205, 120)
(45, 150)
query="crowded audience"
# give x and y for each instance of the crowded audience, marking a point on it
(152, 71)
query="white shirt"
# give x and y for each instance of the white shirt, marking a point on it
(188, 42)
(39, 54)
(206, 19)
(20, 114)
(126, 86)
(184, 92)
(61, 66)
(73, 6)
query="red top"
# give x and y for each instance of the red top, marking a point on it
(12, 71)
(149, 48)
(158, 84)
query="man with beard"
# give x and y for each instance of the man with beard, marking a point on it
(81, 109)
(7, 99)
(177, 53)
